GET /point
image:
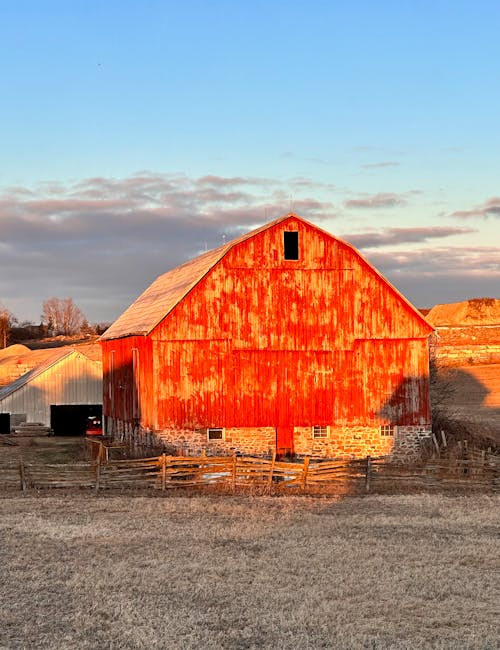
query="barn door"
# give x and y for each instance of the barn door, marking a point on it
(284, 441)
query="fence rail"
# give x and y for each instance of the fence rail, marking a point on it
(232, 472)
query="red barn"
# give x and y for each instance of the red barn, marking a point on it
(284, 339)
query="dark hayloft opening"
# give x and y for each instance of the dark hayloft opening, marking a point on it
(291, 245)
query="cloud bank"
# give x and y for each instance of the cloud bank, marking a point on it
(101, 241)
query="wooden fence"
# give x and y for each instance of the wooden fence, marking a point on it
(369, 475)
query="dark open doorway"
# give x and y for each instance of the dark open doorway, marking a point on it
(71, 420)
(4, 423)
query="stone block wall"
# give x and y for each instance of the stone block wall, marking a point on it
(259, 441)
(359, 442)
(341, 442)
(409, 440)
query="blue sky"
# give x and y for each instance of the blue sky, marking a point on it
(134, 135)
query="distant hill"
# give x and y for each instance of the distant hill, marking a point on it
(477, 311)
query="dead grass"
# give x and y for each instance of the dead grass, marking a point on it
(45, 449)
(383, 572)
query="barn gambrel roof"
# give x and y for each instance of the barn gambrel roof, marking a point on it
(160, 298)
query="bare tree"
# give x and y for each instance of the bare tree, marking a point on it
(6, 322)
(62, 316)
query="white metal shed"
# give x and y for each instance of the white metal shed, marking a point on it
(66, 377)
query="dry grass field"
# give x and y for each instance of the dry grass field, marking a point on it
(44, 449)
(84, 571)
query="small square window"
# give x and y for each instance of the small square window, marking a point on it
(291, 244)
(387, 430)
(320, 431)
(215, 434)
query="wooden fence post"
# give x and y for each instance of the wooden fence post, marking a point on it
(99, 452)
(163, 470)
(436, 444)
(202, 465)
(22, 476)
(234, 471)
(271, 471)
(98, 472)
(368, 474)
(304, 472)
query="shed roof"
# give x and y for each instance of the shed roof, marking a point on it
(158, 300)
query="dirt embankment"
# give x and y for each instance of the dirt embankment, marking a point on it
(467, 333)
(477, 311)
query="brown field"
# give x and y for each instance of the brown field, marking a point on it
(44, 449)
(84, 571)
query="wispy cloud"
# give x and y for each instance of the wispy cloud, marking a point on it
(453, 261)
(381, 200)
(490, 208)
(381, 165)
(396, 236)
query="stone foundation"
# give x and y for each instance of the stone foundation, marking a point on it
(409, 440)
(341, 442)
(359, 442)
(259, 441)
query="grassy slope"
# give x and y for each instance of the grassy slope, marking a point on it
(211, 572)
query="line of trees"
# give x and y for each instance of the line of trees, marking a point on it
(6, 321)
(60, 316)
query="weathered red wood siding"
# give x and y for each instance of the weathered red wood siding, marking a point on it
(262, 341)
(127, 374)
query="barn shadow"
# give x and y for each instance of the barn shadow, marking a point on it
(458, 406)
(408, 403)
(459, 401)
